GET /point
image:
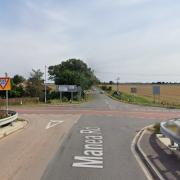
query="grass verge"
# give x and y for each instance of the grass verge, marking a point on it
(139, 100)
(132, 99)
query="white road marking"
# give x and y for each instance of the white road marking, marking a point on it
(137, 140)
(140, 162)
(107, 102)
(88, 162)
(93, 149)
(53, 123)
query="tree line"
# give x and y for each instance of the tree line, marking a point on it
(70, 72)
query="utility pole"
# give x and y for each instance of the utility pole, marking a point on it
(118, 84)
(45, 87)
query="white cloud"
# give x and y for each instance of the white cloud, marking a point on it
(118, 41)
(120, 3)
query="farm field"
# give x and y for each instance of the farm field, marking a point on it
(169, 93)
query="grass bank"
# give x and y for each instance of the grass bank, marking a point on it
(139, 100)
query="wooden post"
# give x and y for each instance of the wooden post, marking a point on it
(72, 96)
(60, 96)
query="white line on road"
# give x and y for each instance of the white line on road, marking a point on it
(107, 102)
(141, 164)
(93, 149)
(53, 123)
(137, 140)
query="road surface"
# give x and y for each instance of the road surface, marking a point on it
(88, 141)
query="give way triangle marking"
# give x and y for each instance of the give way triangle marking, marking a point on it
(53, 123)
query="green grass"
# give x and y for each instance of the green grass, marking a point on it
(19, 119)
(2, 116)
(134, 99)
(19, 104)
(139, 100)
(57, 101)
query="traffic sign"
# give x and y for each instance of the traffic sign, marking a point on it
(5, 84)
(67, 88)
(133, 90)
(156, 90)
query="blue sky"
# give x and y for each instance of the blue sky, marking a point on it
(136, 40)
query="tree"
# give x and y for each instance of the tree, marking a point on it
(73, 72)
(35, 83)
(18, 79)
(17, 86)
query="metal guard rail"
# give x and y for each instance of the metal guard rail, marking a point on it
(13, 116)
(172, 136)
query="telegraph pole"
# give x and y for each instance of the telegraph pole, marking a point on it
(118, 84)
(45, 87)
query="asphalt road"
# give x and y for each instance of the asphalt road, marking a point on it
(118, 161)
(114, 160)
(91, 141)
(24, 155)
(166, 162)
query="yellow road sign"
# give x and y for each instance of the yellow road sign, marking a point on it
(5, 84)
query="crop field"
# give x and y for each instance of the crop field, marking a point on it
(169, 93)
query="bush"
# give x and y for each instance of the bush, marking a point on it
(54, 95)
(104, 88)
(2, 114)
(109, 88)
(157, 128)
(65, 99)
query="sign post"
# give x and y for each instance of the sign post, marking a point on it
(72, 96)
(133, 91)
(5, 85)
(61, 96)
(69, 88)
(45, 87)
(118, 84)
(7, 103)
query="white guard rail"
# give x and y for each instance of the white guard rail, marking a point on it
(168, 133)
(13, 116)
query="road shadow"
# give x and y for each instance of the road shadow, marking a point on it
(163, 159)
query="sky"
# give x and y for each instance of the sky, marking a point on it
(135, 40)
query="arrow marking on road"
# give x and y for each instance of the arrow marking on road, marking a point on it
(53, 123)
